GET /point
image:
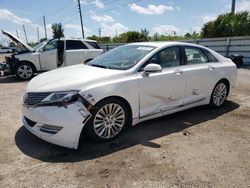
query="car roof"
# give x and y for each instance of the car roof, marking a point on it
(160, 44)
(81, 39)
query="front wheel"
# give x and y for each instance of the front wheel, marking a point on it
(219, 94)
(24, 71)
(109, 119)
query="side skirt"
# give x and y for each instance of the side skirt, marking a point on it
(171, 110)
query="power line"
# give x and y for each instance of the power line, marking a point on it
(93, 6)
(62, 14)
(113, 8)
(62, 8)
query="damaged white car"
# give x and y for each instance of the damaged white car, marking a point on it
(48, 55)
(123, 87)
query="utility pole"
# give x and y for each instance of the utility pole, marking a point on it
(45, 31)
(116, 33)
(233, 7)
(100, 32)
(80, 11)
(17, 34)
(37, 34)
(25, 34)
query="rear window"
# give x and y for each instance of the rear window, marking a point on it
(75, 45)
(210, 56)
(94, 45)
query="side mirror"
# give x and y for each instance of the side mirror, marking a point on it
(152, 68)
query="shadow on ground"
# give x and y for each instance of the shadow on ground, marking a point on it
(9, 79)
(142, 134)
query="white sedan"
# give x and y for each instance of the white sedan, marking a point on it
(123, 87)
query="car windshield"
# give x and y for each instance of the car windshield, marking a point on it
(40, 45)
(122, 58)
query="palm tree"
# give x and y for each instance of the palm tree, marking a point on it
(57, 30)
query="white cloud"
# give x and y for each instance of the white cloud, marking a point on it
(178, 8)
(10, 16)
(109, 26)
(165, 29)
(98, 4)
(243, 5)
(110, 29)
(208, 18)
(104, 18)
(75, 31)
(84, 2)
(116, 13)
(151, 9)
(196, 29)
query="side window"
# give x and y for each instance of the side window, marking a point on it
(195, 56)
(51, 45)
(169, 57)
(75, 45)
(94, 44)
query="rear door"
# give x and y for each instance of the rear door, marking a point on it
(200, 74)
(76, 52)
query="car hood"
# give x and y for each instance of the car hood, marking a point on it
(70, 78)
(18, 41)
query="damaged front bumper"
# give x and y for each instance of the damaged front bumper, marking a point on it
(60, 125)
(9, 65)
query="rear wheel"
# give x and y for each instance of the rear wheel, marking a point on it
(24, 71)
(219, 94)
(109, 119)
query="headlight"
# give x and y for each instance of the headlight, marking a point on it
(67, 96)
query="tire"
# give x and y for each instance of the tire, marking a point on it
(24, 71)
(219, 94)
(109, 118)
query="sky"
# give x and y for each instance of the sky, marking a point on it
(111, 16)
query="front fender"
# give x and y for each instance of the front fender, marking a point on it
(126, 88)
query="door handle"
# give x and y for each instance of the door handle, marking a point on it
(179, 72)
(211, 68)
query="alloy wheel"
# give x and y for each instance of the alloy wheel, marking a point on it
(220, 94)
(109, 120)
(25, 71)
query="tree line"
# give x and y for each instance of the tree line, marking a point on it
(225, 25)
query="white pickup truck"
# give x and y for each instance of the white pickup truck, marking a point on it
(49, 55)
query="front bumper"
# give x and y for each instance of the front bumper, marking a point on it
(60, 125)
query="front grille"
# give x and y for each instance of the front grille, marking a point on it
(33, 99)
(29, 122)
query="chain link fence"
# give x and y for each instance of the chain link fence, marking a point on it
(225, 46)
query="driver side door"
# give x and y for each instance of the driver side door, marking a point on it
(162, 91)
(48, 57)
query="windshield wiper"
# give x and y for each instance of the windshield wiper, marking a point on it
(101, 66)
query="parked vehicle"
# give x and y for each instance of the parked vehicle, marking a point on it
(237, 59)
(6, 50)
(123, 87)
(49, 55)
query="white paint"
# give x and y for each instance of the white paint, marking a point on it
(150, 96)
